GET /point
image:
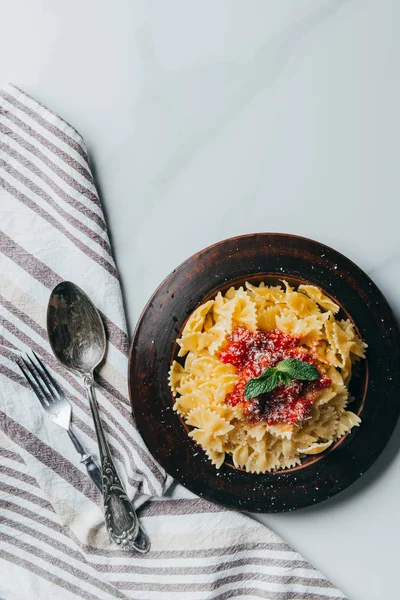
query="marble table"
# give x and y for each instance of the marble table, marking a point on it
(212, 118)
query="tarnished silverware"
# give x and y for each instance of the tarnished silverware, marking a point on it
(77, 337)
(56, 405)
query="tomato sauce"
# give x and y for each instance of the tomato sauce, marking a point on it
(251, 352)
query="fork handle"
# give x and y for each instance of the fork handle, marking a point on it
(76, 442)
(93, 471)
(91, 467)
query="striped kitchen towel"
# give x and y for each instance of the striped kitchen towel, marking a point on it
(53, 542)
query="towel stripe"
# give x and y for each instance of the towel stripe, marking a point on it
(81, 484)
(48, 278)
(110, 424)
(52, 536)
(4, 453)
(73, 137)
(60, 228)
(22, 158)
(160, 570)
(56, 150)
(48, 457)
(33, 188)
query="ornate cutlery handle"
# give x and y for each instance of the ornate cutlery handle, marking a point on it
(120, 516)
(142, 542)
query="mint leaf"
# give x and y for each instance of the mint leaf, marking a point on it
(284, 372)
(285, 378)
(254, 387)
(263, 384)
(298, 369)
(272, 382)
(269, 371)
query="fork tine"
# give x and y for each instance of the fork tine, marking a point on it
(49, 377)
(38, 379)
(32, 385)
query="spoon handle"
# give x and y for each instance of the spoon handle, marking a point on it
(120, 516)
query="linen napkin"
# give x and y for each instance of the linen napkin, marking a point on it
(53, 542)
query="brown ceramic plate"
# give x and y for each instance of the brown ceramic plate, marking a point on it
(253, 258)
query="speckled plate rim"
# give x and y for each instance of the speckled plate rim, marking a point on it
(221, 487)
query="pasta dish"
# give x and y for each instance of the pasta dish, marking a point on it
(262, 375)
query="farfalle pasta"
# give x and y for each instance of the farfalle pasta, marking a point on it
(236, 336)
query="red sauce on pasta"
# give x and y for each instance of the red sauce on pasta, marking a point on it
(251, 352)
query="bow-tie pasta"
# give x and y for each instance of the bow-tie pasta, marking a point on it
(238, 336)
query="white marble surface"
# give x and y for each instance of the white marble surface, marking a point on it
(211, 118)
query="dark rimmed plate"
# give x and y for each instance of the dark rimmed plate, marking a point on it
(253, 258)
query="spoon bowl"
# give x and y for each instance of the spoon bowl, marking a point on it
(76, 331)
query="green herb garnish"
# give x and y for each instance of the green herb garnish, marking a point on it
(284, 372)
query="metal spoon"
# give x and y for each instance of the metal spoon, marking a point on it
(77, 338)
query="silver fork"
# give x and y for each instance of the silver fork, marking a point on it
(57, 407)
